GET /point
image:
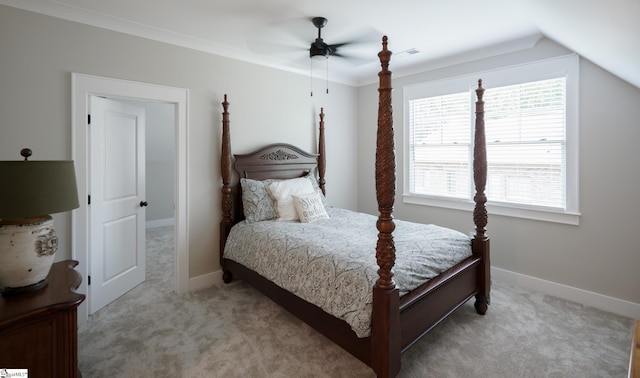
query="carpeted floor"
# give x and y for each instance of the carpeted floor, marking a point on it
(234, 331)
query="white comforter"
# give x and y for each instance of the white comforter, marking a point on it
(331, 263)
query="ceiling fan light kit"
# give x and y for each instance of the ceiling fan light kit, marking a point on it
(318, 53)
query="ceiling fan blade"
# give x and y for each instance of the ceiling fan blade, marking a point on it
(286, 33)
(352, 59)
(356, 53)
(358, 46)
(334, 47)
(362, 34)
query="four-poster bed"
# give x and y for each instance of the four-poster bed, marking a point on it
(396, 317)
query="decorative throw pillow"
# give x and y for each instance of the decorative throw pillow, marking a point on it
(310, 207)
(281, 192)
(257, 205)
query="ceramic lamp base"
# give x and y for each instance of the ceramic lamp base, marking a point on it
(27, 251)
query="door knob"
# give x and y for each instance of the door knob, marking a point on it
(143, 203)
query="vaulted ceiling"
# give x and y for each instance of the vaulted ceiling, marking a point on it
(278, 33)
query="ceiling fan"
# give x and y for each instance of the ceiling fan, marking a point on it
(359, 50)
(319, 49)
(357, 47)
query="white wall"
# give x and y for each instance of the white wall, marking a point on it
(39, 53)
(601, 255)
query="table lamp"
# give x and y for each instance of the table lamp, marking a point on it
(29, 192)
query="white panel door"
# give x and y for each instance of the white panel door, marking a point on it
(117, 200)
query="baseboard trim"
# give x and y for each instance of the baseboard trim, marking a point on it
(587, 298)
(205, 280)
(159, 223)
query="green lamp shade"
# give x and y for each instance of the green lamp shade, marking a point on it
(36, 188)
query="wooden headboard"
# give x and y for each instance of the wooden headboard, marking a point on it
(276, 161)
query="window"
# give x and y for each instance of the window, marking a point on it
(531, 132)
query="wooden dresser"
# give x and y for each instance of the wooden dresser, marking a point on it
(38, 330)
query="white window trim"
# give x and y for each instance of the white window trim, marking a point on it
(567, 65)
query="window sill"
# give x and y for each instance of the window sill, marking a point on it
(545, 215)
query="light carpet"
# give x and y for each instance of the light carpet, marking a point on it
(234, 331)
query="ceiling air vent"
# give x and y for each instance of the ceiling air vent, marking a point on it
(408, 52)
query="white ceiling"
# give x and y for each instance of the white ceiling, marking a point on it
(278, 33)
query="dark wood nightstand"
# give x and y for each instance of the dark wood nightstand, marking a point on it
(39, 330)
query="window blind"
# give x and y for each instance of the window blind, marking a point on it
(440, 142)
(525, 131)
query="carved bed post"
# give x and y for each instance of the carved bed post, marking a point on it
(480, 242)
(225, 169)
(385, 337)
(322, 160)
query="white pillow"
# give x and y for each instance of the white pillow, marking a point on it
(310, 207)
(281, 192)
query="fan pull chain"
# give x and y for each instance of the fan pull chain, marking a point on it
(311, 75)
(327, 65)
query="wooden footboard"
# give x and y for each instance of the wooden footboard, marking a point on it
(425, 307)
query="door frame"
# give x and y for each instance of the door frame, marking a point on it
(83, 86)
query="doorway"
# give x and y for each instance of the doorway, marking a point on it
(84, 86)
